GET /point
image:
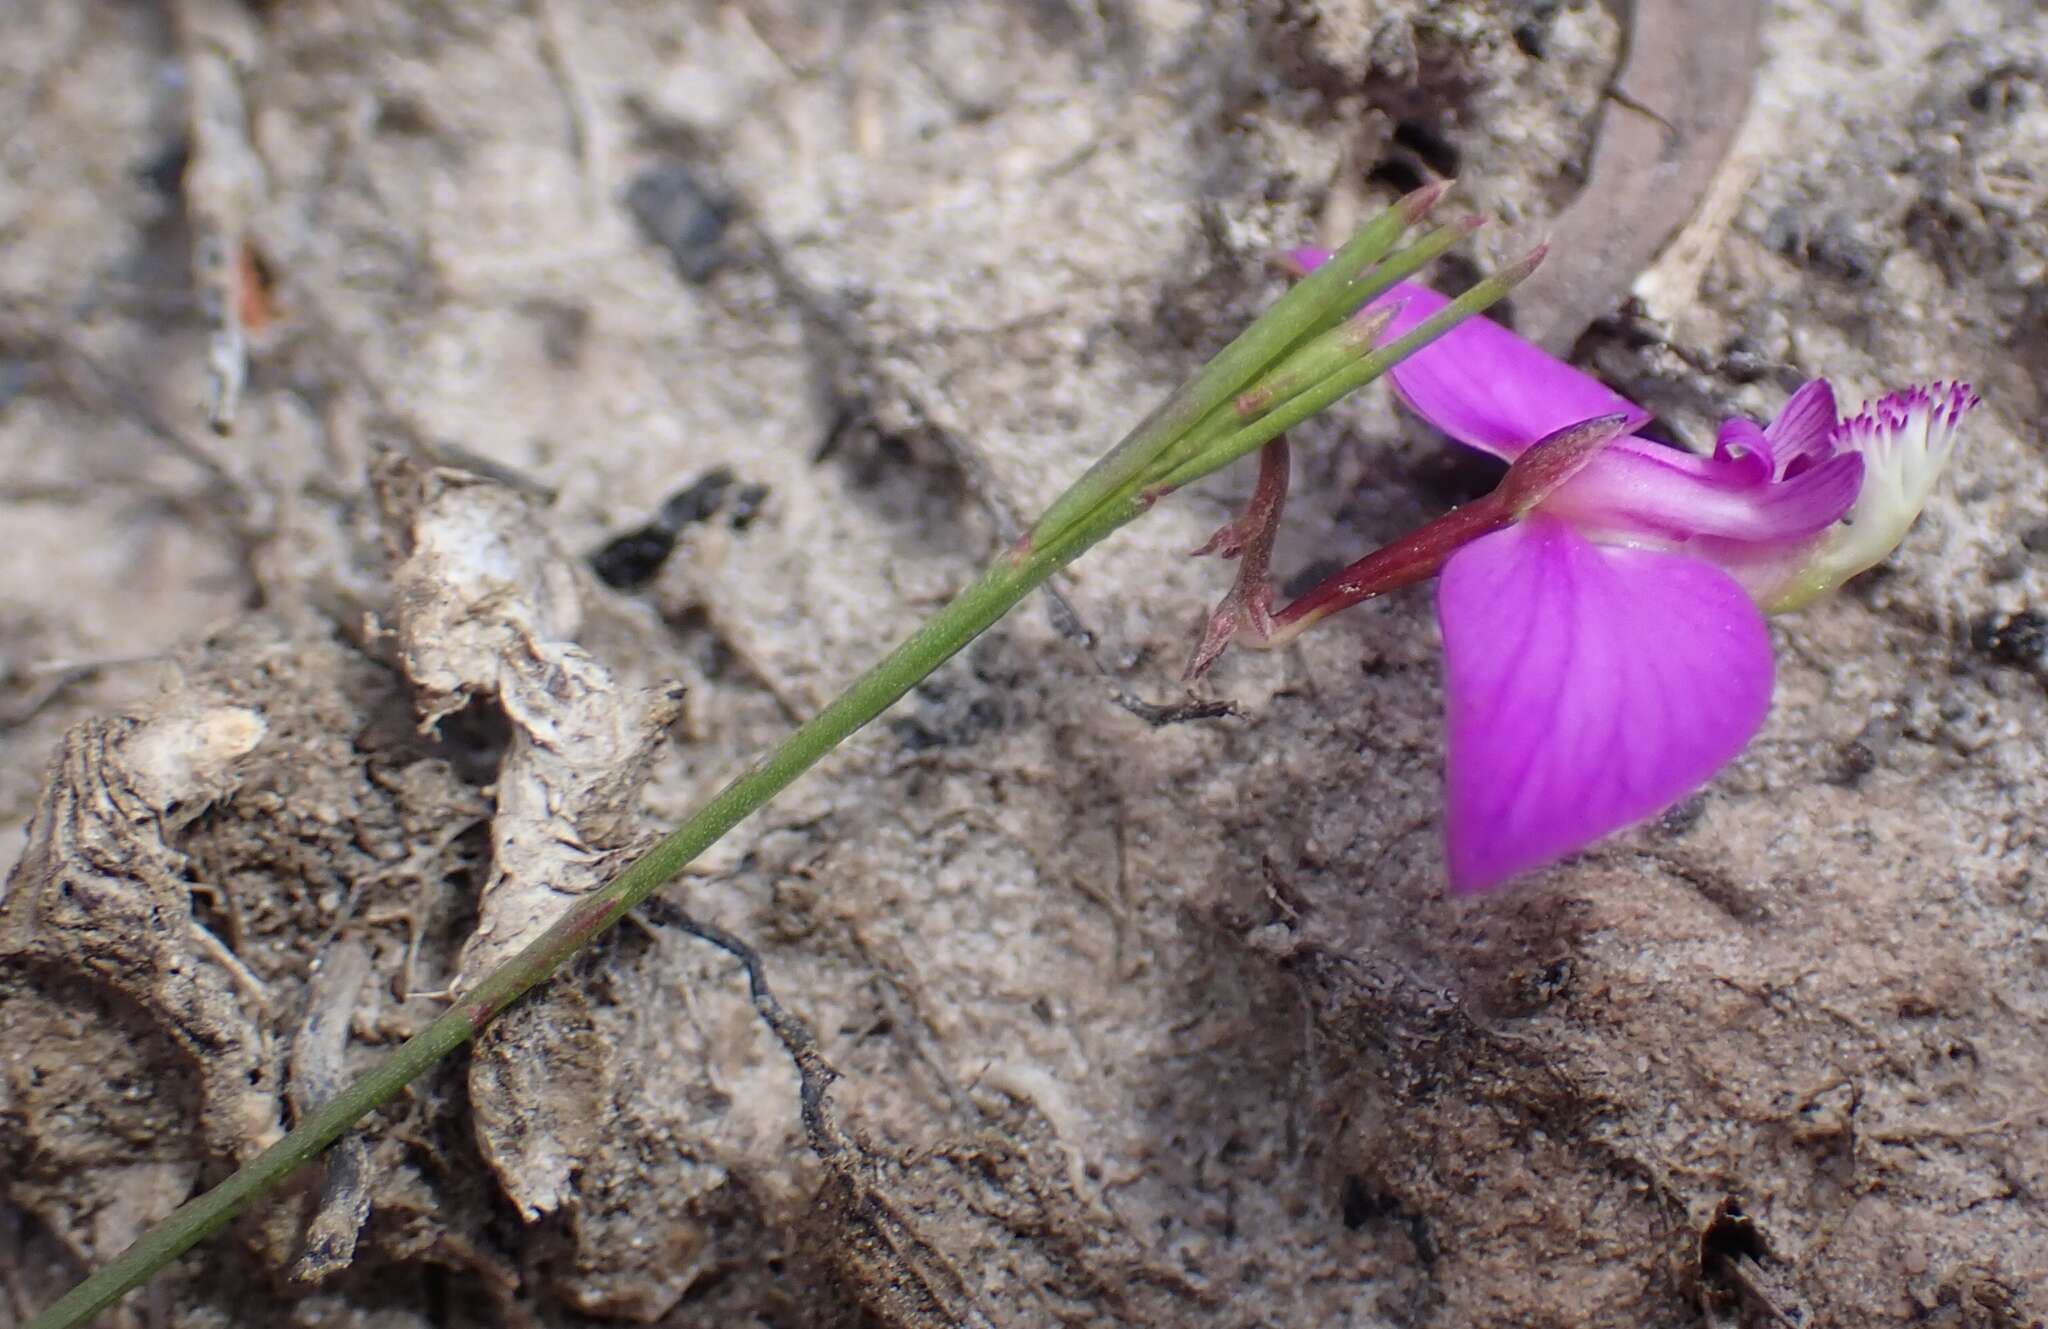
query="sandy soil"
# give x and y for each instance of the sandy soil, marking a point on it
(1135, 1023)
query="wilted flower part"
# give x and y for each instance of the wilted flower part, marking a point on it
(1606, 654)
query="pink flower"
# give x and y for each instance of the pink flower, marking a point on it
(1606, 653)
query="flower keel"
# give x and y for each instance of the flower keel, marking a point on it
(1905, 442)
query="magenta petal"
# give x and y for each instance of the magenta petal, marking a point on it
(1486, 387)
(1745, 447)
(1801, 435)
(1588, 686)
(1639, 490)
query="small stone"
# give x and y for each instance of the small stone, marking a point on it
(2019, 639)
(629, 561)
(683, 216)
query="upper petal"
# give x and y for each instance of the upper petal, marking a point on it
(1480, 383)
(1800, 436)
(1486, 387)
(1588, 687)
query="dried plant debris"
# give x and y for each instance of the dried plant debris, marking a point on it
(486, 606)
(319, 1071)
(1673, 110)
(224, 185)
(193, 865)
(274, 863)
(109, 982)
(184, 867)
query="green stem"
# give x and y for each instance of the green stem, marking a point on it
(1308, 307)
(1331, 342)
(1008, 580)
(1174, 473)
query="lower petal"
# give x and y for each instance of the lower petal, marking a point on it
(1588, 687)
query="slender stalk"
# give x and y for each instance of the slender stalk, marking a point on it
(1295, 315)
(1405, 262)
(1287, 414)
(1103, 501)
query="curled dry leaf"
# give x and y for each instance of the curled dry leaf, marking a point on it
(486, 604)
